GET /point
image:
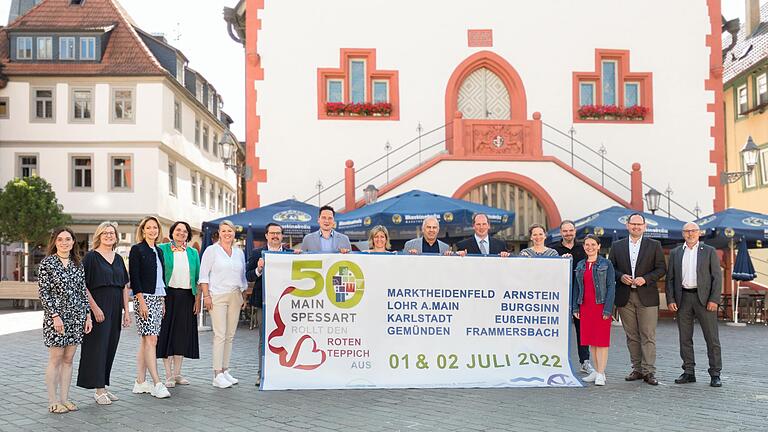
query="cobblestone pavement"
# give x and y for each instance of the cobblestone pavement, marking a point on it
(741, 404)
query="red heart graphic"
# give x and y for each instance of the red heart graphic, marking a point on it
(286, 359)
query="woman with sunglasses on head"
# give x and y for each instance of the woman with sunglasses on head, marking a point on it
(148, 285)
(106, 281)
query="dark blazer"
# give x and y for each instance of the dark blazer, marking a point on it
(650, 266)
(257, 298)
(495, 246)
(142, 267)
(709, 276)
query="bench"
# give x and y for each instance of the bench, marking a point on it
(20, 292)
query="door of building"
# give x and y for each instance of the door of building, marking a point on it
(484, 96)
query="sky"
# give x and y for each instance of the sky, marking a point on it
(200, 32)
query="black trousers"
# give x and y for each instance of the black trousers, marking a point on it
(690, 307)
(583, 349)
(100, 345)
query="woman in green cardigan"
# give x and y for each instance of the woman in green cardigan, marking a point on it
(178, 333)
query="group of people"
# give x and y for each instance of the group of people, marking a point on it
(626, 279)
(86, 301)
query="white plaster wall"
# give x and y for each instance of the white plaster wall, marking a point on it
(151, 139)
(19, 128)
(426, 40)
(180, 206)
(53, 163)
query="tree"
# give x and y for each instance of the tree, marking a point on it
(29, 211)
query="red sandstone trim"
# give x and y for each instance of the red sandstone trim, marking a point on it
(553, 214)
(715, 84)
(440, 158)
(253, 72)
(372, 74)
(623, 76)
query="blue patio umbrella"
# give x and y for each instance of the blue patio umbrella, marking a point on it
(735, 224)
(611, 224)
(403, 214)
(743, 270)
(296, 218)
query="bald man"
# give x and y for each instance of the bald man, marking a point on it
(694, 285)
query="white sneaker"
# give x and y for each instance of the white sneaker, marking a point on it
(591, 377)
(600, 380)
(586, 367)
(144, 387)
(160, 391)
(221, 382)
(229, 377)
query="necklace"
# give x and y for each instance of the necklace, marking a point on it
(63, 257)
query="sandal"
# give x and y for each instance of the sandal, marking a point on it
(57, 408)
(102, 399)
(112, 397)
(170, 383)
(71, 406)
(180, 380)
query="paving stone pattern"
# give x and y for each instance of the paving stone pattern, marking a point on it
(740, 405)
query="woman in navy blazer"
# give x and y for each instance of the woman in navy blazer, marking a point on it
(146, 268)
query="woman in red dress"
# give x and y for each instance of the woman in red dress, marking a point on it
(593, 305)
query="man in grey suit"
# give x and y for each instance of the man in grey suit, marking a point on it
(429, 243)
(326, 239)
(694, 285)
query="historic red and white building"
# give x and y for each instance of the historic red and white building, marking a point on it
(492, 92)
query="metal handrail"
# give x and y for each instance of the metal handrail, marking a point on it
(589, 164)
(610, 162)
(387, 155)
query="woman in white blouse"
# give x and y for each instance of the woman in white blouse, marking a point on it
(222, 281)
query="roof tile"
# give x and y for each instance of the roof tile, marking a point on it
(748, 50)
(125, 53)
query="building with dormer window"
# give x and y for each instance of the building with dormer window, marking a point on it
(109, 115)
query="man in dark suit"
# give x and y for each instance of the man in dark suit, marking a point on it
(254, 270)
(694, 285)
(639, 264)
(481, 243)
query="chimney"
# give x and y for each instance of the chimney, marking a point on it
(752, 17)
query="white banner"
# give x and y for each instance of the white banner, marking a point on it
(402, 321)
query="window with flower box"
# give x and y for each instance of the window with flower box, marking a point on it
(612, 93)
(356, 90)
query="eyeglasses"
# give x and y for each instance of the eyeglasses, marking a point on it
(274, 233)
(636, 224)
(690, 231)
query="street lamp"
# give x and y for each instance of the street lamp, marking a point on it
(652, 198)
(371, 194)
(749, 154)
(228, 151)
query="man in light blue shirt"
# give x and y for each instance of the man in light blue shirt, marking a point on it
(326, 239)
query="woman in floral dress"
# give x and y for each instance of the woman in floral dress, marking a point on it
(61, 281)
